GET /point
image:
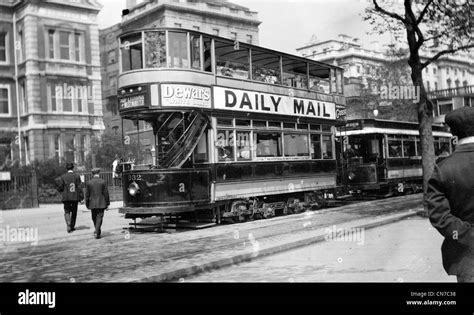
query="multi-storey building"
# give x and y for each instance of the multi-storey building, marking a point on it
(50, 94)
(217, 17)
(451, 75)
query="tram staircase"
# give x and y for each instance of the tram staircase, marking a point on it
(180, 149)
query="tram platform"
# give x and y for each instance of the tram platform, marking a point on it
(123, 255)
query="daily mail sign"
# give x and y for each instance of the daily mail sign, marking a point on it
(250, 101)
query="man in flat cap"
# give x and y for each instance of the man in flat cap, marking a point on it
(450, 198)
(97, 200)
(70, 185)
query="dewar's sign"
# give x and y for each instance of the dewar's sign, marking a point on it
(249, 101)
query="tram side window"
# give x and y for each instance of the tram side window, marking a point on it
(231, 62)
(319, 78)
(409, 147)
(225, 145)
(316, 147)
(327, 147)
(296, 145)
(295, 73)
(243, 145)
(394, 147)
(195, 45)
(131, 50)
(178, 50)
(265, 67)
(155, 49)
(267, 144)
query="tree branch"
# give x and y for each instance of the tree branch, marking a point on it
(385, 12)
(423, 12)
(444, 52)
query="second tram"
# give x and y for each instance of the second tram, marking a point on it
(383, 158)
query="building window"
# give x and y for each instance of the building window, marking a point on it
(447, 70)
(21, 40)
(57, 146)
(428, 85)
(82, 149)
(69, 147)
(434, 70)
(111, 57)
(77, 46)
(358, 69)
(53, 101)
(5, 100)
(444, 108)
(51, 42)
(64, 45)
(3, 47)
(196, 28)
(448, 83)
(455, 71)
(436, 86)
(81, 98)
(23, 98)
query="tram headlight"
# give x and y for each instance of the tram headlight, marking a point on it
(133, 189)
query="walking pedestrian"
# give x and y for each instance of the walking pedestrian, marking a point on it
(450, 198)
(97, 200)
(70, 185)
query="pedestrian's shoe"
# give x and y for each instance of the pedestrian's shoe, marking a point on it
(69, 230)
(73, 229)
(97, 236)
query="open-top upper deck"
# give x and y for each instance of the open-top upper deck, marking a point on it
(170, 69)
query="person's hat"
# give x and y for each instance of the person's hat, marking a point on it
(69, 166)
(95, 170)
(461, 122)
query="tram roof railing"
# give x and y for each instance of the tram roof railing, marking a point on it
(248, 45)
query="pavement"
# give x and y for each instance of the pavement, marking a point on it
(126, 256)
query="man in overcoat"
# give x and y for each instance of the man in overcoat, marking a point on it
(70, 185)
(450, 198)
(97, 200)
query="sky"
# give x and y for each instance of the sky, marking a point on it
(288, 24)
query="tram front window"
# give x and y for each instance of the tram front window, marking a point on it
(131, 49)
(178, 50)
(155, 49)
(138, 140)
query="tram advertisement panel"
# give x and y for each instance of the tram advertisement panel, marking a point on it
(250, 101)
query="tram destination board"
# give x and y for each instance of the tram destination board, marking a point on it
(132, 101)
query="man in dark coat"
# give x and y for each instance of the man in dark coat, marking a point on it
(70, 185)
(450, 198)
(97, 199)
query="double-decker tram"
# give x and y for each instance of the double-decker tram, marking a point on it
(225, 128)
(383, 158)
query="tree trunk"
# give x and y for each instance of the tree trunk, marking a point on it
(425, 119)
